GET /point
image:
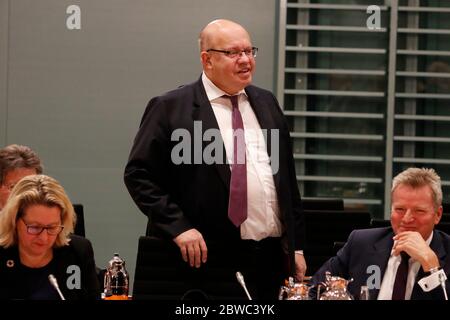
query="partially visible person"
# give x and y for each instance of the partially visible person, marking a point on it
(36, 240)
(407, 261)
(16, 162)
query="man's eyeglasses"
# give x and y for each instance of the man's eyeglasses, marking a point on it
(37, 230)
(249, 52)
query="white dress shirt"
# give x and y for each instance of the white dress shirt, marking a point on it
(387, 285)
(263, 212)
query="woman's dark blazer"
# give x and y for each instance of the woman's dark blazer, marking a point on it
(78, 253)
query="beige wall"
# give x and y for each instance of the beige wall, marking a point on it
(77, 96)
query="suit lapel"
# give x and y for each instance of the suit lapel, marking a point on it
(262, 110)
(262, 113)
(204, 113)
(436, 246)
(382, 252)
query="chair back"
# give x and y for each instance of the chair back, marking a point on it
(79, 226)
(161, 273)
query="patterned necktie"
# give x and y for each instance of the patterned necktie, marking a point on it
(237, 204)
(398, 293)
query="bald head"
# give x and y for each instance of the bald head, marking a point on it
(216, 29)
(229, 72)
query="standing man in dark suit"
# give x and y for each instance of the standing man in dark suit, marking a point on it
(408, 261)
(191, 196)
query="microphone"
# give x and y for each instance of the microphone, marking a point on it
(442, 279)
(54, 283)
(241, 281)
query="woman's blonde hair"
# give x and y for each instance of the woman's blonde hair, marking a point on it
(36, 190)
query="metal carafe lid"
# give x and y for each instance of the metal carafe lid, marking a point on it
(116, 263)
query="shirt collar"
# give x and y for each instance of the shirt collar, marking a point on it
(212, 91)
(428, 241)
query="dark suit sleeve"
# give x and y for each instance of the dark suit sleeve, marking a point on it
(297, 209)
(80, 253)
(296, 205)
(435, 294)
(89, 273)
(444, 256)
(147, 172)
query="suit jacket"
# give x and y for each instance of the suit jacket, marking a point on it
(79, 253)
(372, 247)
(180, 197)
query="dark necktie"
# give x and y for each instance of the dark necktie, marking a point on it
(237, 204)
(398, 293)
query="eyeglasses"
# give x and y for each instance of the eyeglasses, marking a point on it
(249, 52)
(37, 230)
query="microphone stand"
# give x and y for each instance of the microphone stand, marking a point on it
(442, 279)
(241, 281)
(54, 283)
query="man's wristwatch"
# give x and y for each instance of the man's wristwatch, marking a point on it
(432, 270)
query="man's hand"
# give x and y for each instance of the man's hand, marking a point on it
(193, 247)
(300, 267)
(415, 246)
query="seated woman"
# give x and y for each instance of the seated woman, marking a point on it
(36, 241)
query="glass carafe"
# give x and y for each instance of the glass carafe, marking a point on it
(294, 291)
(116, 281)
(336, 288)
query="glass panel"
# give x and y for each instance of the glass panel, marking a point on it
(356, 191)
(428, 3)
(358, 2)
(340, 82)
(438, 107)
(423, 150)
(347, 159)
